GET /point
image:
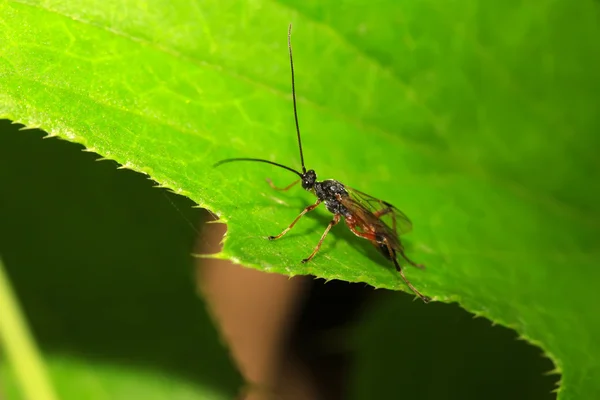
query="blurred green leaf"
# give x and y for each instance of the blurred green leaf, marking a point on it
(478, 119)
(19, 347)
(74, 378)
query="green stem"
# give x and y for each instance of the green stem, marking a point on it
(20, 347)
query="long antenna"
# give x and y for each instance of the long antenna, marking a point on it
(257, 160)
(294, 97)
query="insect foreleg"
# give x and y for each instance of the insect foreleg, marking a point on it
(334, 221)
(270, 182)
(286, 230)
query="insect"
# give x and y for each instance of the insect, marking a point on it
(364, 215)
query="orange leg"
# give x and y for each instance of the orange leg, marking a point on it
(372, 237)
(365, 235)
(286, 230)
(285, 189)
(334, 221)
(384, 211)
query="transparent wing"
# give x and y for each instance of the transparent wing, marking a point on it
(383, 211)
(367, 222)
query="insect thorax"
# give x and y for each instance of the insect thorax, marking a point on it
(327, 191)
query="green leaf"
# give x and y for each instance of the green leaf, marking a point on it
(19, 347)
(101, 264)
(76, 378)
(477, 119)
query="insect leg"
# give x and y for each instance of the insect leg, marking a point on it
(384, 211)
(270, 182)
(307, 209)
(365, 235)
(334, 221)
(404, 278)
(373, 237)
(411, 262)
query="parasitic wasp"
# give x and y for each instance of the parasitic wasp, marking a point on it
(364, 215)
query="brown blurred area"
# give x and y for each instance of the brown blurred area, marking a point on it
(255, 311)
(271, 327)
